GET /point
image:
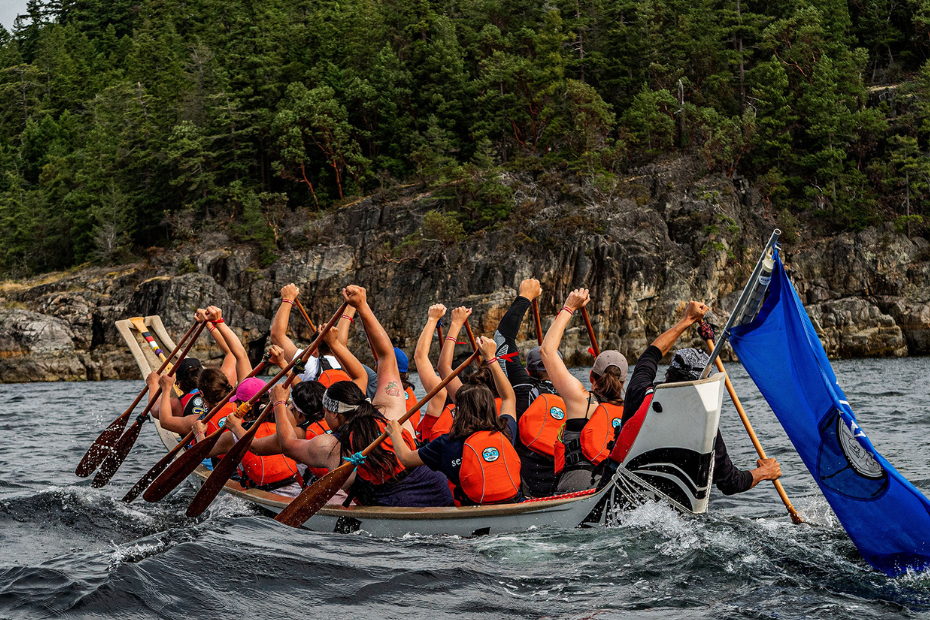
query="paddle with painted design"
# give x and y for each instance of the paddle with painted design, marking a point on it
(595, 350)
(707, 334)
(221, 473)
(103, 445)
(320, 492)
(112, 463)
(166, 460)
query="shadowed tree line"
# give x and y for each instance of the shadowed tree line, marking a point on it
(131, 123)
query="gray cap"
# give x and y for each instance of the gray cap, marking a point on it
(534, 361)
(610, 358)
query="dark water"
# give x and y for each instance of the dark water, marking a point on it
(67, 549)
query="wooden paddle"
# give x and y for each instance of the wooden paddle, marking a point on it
(166, 460)
(752, 435)
(221, 473)
(128, 440)
(596, 350)
(439, 331)
(320, 492)
(471, 338)
(103, 445)
(539, 332)
(300, 307)
(139, 323)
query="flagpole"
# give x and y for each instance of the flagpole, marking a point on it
(749, 291)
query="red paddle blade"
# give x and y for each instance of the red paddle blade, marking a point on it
(220, 475)
(102, 446)
(180, 468)
(315, 496)
(119, 454)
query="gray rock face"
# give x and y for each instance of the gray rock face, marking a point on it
(643, 245)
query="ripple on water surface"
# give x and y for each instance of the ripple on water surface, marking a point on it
(70, 549)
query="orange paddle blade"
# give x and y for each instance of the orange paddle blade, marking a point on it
(315, 496)
(181, 468)
(102, 446)
(116, 458)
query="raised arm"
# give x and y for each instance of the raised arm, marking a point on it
(243, 365)
(349, 362)
(424, 367)
(459, 316)
(390, 393)
(504, 389)
(694, 313)
(570, 389)
(342, 327)
(281, 319)
(507, 329)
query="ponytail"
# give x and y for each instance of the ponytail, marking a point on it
(213, 384)
(608, 387)
(361, 428)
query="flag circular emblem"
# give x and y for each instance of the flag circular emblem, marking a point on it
(557, 413)
(490, 454)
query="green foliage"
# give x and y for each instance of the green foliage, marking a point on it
(130, 123)
(445, 228)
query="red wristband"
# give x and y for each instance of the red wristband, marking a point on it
(450, 338)
(218, 321)
(287, 301)
(491, 361)
(346, 316)
(211, 327)
(279, 402)
(567, 309)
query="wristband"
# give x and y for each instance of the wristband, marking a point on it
(287, 301)
(491, 361)
(279, 402)
(211, 327)
(567, 309)
(218, 321)
(450, 338)
(351, 320)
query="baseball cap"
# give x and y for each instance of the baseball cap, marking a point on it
(187, 367)
(534, 361)
(610, 358)
(402, 362)
(248, 388)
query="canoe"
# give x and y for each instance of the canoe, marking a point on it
(592, 507)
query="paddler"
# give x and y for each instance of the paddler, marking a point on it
(687, 365)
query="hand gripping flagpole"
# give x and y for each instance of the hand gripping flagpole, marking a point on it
(753, 293)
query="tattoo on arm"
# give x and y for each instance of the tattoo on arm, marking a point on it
(393, 389)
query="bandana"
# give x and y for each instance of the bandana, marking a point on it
(688, 364)
(331, 404)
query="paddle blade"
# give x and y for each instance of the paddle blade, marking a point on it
(150, 475)
(315, 496)
(220, 475)
(102, 446)
(119, 454)
(180, 468)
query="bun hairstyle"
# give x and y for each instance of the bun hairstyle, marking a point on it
(361, 427)
(475, 410)
(608, 387)
(308, 397)
(482, 376)
(214, 385)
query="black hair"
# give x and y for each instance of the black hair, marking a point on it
(214, 386)
(361, 428)
(308, 396)
(323, 348)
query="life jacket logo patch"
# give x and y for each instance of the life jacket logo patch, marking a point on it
(557, 413)
(490, 454)
(616, 423)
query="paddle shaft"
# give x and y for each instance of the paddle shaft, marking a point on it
(317, 494)
(221, 473)
(471, 339)
(538, 322)
(99, 450)
(160, 466)
(752, 435)
(590, 328)
(300, 307)
(439, 331)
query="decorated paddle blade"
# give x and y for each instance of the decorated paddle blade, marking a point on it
(181, 468)
(116, 458)
(221, 473)
(102, 446)
(314, 497)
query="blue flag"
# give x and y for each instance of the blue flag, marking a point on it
(885, 515)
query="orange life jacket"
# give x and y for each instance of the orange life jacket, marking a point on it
(263, 470)
(490, 470)
(541, 424)
(315, 430)
(411, 401)
(367, 475)
(593, 443)
(333, 375)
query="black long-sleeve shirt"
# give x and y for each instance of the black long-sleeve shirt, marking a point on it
(727, 477)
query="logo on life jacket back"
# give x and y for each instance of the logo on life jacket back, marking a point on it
(616, 423)
(557, 413)
(490, 454)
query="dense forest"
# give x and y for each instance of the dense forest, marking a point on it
(126, 124)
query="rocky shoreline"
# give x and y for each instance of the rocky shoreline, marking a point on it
(644, 245)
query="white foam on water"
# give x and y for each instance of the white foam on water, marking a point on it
(133, 552)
